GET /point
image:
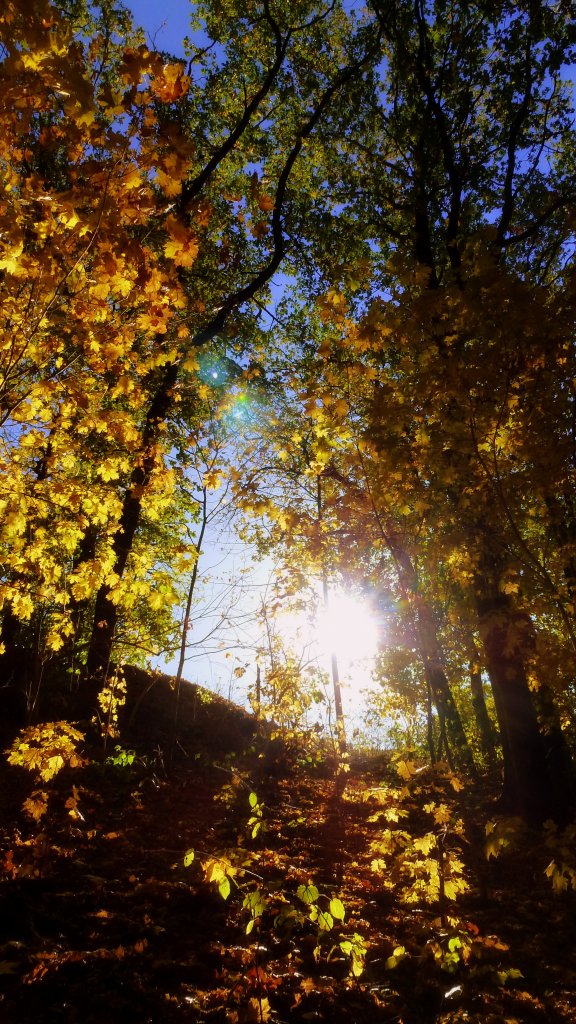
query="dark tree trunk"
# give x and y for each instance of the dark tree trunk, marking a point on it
(557, 752)
(16, 669)
(535, 786)
(105, 611)
(69, 659)
(9, 628)
(430, 723)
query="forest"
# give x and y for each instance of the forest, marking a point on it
(313, 277)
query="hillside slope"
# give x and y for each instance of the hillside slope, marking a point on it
(357, 898)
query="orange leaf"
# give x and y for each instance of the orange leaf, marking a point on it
(266, 203)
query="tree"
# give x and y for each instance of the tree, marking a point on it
(83, 274)
(228, 196)
(459, 176)
(144, 274)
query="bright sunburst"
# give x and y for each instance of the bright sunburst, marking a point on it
(347, 627)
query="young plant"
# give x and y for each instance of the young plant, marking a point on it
(44, 750)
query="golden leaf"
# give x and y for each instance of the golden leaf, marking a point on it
(171, 83)
(406, 769)
(36, 805)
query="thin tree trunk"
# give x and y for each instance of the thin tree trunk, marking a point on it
(186, 623)
(258, 690)
(483, 723)
(430, 723)
(486, 732)
(336, 686)
(438, 681)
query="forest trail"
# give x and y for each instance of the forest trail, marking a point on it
(101, 920)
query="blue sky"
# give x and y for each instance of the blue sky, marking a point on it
(166, 22)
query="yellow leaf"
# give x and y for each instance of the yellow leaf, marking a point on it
(453, 888)
(406, 769)
(170, 83)
(191, 364)
(132, 178)
(398, 955)
(182, 245)
(36, 805)
(442, 814)
(341, 407)
(212, 480)
(10, 262)
(182, 255)
(170, 185)
(108, 470)
(510, 587)
(425, 843)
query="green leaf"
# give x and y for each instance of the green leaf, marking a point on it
(307, 893)
(357, 965)
(256, 902)
(337, 909)
(188, 858)
(325, 921)
(398, 955)
(253, 800)
(224, 888)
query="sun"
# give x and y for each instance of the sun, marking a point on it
(346, 627)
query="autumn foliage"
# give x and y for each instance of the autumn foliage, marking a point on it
(322, 264)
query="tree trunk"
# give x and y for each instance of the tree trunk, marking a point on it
(336, 685)
(186, 623)
(486, 731)
(438, 681)
(105, 611)
(483, 723)
(430, 723)
(534, 786)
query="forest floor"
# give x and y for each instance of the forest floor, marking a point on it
(357, 897)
